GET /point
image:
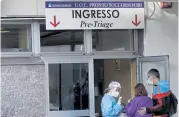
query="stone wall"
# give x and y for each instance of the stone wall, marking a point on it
(22, 90)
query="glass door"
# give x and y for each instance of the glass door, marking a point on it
(70, 87)
(144, 64)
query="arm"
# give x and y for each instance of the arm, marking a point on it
(108, 109)
(155, 108)
(159, 105)
(131, 108)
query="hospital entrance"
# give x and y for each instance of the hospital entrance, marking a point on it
(70, 88)
(128, 72)
(89, 60)
(76, 86)
(107, 70)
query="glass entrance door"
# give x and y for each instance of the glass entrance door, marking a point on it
(70, 87)
(144, 64)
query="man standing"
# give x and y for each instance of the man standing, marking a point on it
(161, 96)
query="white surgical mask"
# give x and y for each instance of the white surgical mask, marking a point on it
(149, 81)
(115, 94)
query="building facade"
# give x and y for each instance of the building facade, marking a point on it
(63, 73)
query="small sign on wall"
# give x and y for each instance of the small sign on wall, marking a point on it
(117, 64)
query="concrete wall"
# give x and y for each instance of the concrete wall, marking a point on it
(22, 90)
(161, 38)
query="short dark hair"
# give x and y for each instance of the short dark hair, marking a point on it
(140, 90)
(154, 72)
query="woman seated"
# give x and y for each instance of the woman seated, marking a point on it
(141, 99)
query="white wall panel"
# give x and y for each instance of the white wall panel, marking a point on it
(41, 7)
(15, 8)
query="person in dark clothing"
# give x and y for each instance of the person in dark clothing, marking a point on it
(85, 95)
(141, 99)
(77, 96)
(161, 96)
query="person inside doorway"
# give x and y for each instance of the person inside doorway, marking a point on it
(141, 99)
(111, 102)
(164, 102)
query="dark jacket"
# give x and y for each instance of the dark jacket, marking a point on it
(135, 105)
(161, 100)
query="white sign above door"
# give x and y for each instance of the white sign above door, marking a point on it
(77, 15)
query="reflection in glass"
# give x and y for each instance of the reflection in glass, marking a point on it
(112, 40)
(15, 37)
(61, 40)
(68, 86)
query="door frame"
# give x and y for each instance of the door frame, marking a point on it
(140, 60)
(73, 59)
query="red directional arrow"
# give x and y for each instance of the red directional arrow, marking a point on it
(136, 22)
(54, 23)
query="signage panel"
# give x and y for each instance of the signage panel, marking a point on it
(77, 15)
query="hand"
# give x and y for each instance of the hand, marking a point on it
(130, 99)
(142, 111)
(119, 101)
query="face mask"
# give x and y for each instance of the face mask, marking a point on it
(115, 94)
(149, 81)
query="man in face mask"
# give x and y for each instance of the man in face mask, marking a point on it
(111, 103)
(153, 77)
(161, 94)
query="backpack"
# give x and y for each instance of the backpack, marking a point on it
(169, 105)
(173, 104)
